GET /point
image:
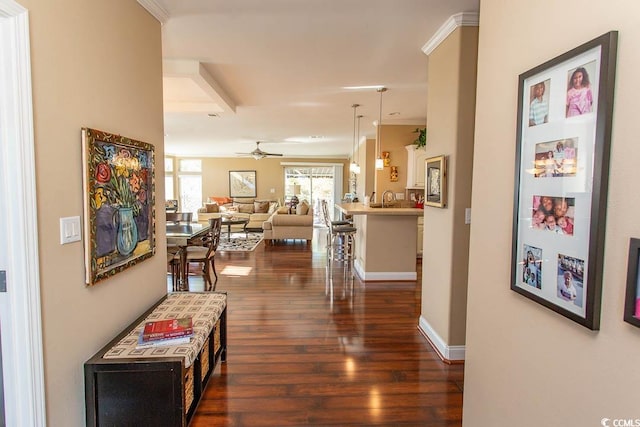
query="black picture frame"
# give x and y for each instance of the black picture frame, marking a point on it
(632, 299)
(565, 110)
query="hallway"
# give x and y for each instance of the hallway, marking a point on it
(297, 356)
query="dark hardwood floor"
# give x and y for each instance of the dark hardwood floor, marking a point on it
(298, 355)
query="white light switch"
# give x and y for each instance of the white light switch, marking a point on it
(467, 216)
(69, 229)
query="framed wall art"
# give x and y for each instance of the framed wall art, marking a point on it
(632, 300)
(436, 182)
(119, 187)
(565, 109)
(242, 183)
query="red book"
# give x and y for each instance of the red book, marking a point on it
(167, 328)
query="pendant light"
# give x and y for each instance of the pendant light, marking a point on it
(354, 165)
(358, 144)
(379, 162)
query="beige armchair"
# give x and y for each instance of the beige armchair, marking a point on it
(288, 226)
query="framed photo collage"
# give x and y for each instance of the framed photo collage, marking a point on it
(562, 168)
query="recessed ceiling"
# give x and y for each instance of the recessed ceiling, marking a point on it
(276, 71)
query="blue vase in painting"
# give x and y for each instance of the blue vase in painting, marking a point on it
(127, 238)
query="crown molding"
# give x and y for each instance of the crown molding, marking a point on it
(464, 19)
(9, 9)
(154, 8)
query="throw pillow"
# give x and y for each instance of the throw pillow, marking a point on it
(243, 200)
(282, 210)
(244, 207)
(220, 200)
(273, 206)
(303, 208)
(212, 207)
(260, 207)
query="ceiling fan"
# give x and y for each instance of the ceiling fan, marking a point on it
(259, 154)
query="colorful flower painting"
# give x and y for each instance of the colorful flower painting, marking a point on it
(119, 217)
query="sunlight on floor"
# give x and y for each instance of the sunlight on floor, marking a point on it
(233, 270)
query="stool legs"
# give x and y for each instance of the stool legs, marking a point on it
(341, 247)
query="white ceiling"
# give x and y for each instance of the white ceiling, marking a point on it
(275, 71)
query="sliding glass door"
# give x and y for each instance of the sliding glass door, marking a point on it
(313, 183)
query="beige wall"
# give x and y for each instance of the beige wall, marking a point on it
(366, 160)
(450, 103)
(394, 138)
(95, 64)
(546, 369)
(269, 175)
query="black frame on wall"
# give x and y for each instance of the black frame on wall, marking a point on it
(566, 263)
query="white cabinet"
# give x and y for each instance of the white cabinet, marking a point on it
(415, 166)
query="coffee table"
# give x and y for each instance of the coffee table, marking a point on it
(235, 221)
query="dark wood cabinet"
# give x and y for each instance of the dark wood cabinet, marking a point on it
(147, 391)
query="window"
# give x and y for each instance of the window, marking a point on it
(190, 185)
(168, 179)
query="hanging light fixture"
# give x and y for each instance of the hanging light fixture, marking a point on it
(354, 165)
(358, 144)
(379, 162)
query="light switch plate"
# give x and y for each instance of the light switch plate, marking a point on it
(69, 229)
(467, 216)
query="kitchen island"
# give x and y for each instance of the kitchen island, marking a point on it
(385, 241)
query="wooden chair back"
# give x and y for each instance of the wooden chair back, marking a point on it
(179, 216)
(214, 232)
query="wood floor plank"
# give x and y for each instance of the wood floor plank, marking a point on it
(300, 355)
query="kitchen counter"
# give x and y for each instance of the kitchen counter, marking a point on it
(361, 209)
(385, 241)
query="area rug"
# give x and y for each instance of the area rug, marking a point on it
(239, 242)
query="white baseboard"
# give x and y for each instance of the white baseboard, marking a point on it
(384, 275)
(448, 353)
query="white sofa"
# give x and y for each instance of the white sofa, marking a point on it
(283, 225)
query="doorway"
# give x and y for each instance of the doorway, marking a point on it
(22, 366)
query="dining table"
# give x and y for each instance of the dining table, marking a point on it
(182, 235)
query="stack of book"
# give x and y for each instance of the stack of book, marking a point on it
(166, 332)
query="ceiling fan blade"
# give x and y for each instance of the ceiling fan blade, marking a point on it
(258, 153)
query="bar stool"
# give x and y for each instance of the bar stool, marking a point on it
(340, 239)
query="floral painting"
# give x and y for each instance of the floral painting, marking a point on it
(119, 203)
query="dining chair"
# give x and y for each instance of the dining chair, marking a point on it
(173, 262)
(205, 255)
(179, 217)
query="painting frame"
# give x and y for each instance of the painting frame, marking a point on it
(119, 203)
(632, 297)
(435, 188)
(242, 183)
(563, 141)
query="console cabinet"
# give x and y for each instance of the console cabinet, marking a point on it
(150, 391)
